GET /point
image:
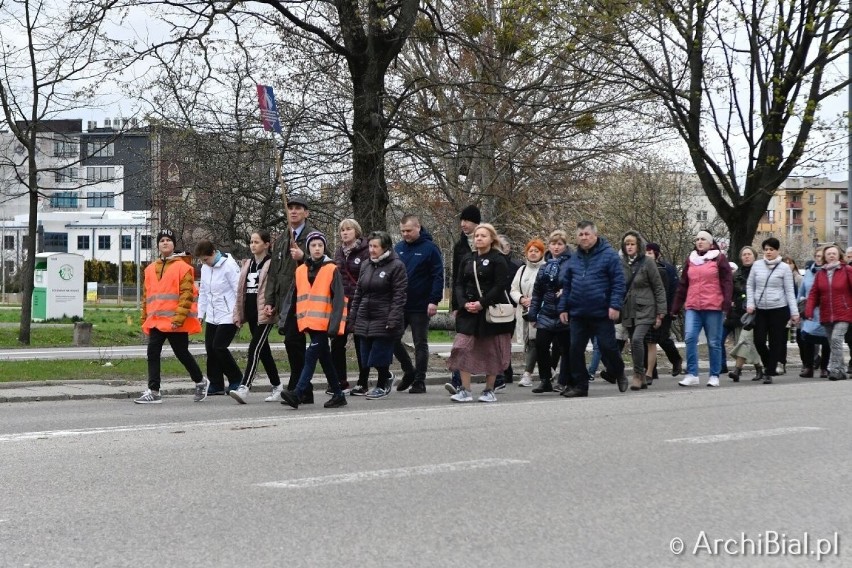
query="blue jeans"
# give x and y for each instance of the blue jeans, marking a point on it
(318, 350)
(711, 322)
(582, 330)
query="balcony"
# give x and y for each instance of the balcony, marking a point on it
(844, 205)
(843, 222)
(794, 205)
(797, 221)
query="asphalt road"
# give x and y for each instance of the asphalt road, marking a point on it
(415, 481)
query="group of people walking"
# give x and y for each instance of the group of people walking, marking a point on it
(555, 302)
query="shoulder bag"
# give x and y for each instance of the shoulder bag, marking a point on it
(496, 313)
(747, 319)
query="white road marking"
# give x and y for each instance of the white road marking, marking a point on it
(286, 416)
(361, 476)
(734, 436)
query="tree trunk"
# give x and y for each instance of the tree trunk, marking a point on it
(369, 191)
(28, 277)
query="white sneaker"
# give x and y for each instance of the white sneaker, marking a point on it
(240, 394)
(462, 396)
(275, 396)
(451, 388)
(713, 382)
(692, 380)
(526, 381)
(488, 396)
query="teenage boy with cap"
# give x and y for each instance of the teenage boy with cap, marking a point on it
(469, 218)
(170, 313)
(288, 252)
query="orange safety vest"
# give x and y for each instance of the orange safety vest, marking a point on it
(313, 303)
(161, 299)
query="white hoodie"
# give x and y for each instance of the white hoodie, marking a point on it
(217, 294)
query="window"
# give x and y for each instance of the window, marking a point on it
(56, 242)
(100, 173)
(100, 199)
(770, 216)
(9, 242)
(65, 175)
(82, 242)
(146, 242)
(100, 150)
(701, 216)
(812, 198)
(125, 242)
(104, 242)
(64, 200)
(811, 215)
(64, 148)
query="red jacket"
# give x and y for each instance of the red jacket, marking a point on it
(835, 300)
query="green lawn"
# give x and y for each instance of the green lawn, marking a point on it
(110, 326)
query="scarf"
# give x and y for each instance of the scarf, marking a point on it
(698, 259)
(772, 262)
(382, 256)
(349, 248)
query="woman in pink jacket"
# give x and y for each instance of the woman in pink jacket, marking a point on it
(249, 309)
(705, 289)
(832, 294)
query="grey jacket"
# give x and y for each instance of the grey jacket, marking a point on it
(778, 291)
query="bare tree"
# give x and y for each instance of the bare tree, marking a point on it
(52, 57)
(741, 83)
(366, 36)
(501, 103)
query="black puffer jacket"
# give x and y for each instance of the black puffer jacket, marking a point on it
(492, 270)
(461, 251)
(378, 307)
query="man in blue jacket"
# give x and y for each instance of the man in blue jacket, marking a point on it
(593, 292)
(424, 266)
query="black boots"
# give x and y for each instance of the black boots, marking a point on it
(545, 385)
(758, 373)
(735, 374)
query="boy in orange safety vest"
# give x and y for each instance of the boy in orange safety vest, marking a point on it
(321, 312)
(170, 313)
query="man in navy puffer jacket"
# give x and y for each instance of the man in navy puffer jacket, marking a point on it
(424, 266)
(593, 291)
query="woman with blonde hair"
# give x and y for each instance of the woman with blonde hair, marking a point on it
(349, 257)
(481, 346)
(544, 315)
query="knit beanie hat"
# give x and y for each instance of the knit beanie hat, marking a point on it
(313, 235)
(704, 235)
(653, 247)
(168, 233)
(471, 213)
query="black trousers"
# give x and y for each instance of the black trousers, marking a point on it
(295, 344)
(338, 356)
(772, 325)
(259, 351)
(544, 338)
(220, 361)
(180, 345)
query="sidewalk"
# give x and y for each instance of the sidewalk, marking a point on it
(35, 391)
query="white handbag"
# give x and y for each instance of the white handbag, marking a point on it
(496, 313)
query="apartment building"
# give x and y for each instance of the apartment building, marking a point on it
(808, 211)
